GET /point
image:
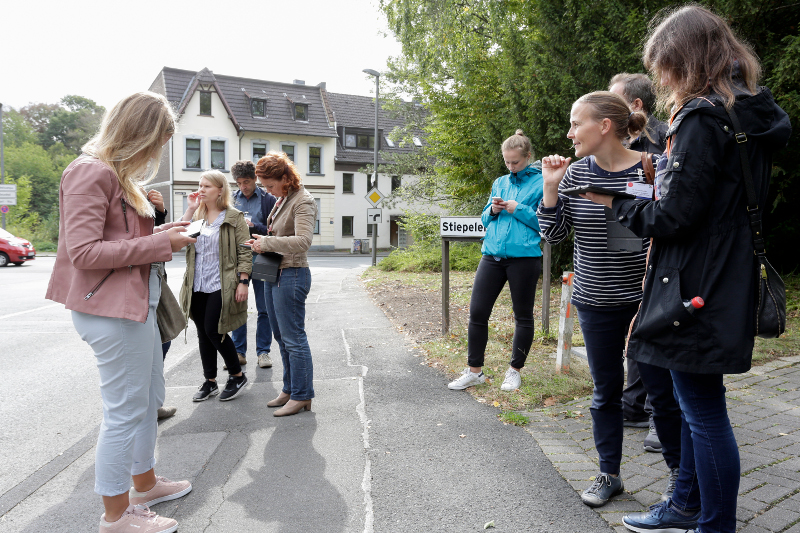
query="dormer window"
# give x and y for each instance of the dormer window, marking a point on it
(205, 103)
(359, 140)
(301, 112)
(258, 107)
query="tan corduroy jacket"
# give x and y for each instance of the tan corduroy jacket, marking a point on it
(292, 221)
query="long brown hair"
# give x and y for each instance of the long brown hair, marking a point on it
(130, 141)
(276, 165)
(697, 51)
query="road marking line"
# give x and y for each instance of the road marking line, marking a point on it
(366, 483)
(29, 311)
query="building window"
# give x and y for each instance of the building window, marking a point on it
(193, 153)
(259, 151)
(396, 182)
(301, 112)
(389, 142)
(319, 215)
(205, 103)
(417, 142)
(218, 154)
(359, 140)
(288, 149)
(347, 226)
(369, 230)
(315, 160)
(258, 107)
(347, 183)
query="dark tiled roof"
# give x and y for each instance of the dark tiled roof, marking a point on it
(353, 111)
(238, 92)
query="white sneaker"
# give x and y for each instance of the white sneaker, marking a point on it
(263, 360)
(467, 379)
(512, 381)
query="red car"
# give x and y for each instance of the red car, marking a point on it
(14, 250)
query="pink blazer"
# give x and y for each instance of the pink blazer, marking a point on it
(104, 247)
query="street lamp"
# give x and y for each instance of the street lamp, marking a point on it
(376, 143)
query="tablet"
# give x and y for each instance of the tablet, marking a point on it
(577, 191)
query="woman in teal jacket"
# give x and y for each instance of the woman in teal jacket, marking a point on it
(511, 253)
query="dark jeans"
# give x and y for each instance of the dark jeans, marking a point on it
(206, 308)
(522, 274)
(635, 402)
(710, 467)
(286, 305)
(604, 330)
(263, 329)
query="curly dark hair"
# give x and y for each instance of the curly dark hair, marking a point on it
(276, 166)
(243, 169)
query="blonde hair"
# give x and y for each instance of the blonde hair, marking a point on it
(130, 141)
(612, 106)
(225, 199)
(518, 141)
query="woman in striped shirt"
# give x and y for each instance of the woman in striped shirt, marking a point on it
(214, 291)
(608, 282)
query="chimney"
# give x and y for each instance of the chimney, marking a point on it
(322, 85)
(299, 82)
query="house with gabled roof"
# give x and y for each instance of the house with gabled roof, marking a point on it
(329, 136)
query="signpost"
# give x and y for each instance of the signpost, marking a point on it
(374, 196)
(459, 229)
(8, 194)
(374, 216)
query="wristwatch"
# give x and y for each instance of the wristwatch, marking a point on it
(245, 281)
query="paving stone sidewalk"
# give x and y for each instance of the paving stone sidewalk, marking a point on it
(764, 408)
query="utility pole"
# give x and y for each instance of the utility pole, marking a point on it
(376, 145)
(2, 161)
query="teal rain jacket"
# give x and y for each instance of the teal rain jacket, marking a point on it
(514, 235)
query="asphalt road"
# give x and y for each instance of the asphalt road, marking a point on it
(386, 448)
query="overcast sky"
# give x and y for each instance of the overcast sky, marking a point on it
(107, 49)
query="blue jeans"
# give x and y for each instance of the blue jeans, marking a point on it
(263, 327)
(286, 305)
(710, 468)
(604, 330)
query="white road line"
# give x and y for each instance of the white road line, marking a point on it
(366, 483)
(29, 311)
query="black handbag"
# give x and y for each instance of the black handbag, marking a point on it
(771, 296)
(267, 266)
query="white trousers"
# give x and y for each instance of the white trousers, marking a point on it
(131, 366)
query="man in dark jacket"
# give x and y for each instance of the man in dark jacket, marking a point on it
(256, 204)
(637, 90)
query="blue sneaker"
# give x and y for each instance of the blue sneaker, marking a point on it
(603, 489)
(660, 519)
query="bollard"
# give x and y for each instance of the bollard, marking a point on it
(565, 324)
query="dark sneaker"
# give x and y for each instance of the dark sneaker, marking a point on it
(671, 481)
(651, 441)
(636, 423)
(661, 519)
(603, 489)
(206, 390)
(233, 388)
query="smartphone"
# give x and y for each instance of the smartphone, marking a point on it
(193, 229)
(245, 245)
(496, 199)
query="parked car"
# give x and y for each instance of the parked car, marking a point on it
(14, 250)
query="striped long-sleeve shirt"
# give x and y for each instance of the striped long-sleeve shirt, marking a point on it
(206, 263)
(602, 278)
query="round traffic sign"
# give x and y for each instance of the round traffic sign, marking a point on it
(4, 209)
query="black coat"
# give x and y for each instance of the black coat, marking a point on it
(702, 240)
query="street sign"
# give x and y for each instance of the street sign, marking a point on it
(8, 194)
(461, 227)
(374, 216)
(4, 209)
(374, 196)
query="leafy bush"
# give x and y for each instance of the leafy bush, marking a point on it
(426, 256)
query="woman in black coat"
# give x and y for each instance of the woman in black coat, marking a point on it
(702, 246)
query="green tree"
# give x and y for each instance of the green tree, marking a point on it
(72, 124)
(16, 130)
(33, 161)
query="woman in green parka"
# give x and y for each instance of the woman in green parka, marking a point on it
(214, 291)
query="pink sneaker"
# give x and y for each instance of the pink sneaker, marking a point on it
(138, 519)
(163, 491)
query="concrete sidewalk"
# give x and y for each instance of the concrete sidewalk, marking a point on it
(764, 408)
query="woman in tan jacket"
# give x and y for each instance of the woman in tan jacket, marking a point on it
(291, 229)
(106, 273)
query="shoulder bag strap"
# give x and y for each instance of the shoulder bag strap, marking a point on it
(647, 166)
(753, 212)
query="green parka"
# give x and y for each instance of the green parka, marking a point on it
(233, 259)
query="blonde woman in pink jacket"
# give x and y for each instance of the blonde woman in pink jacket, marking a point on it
(106, 273)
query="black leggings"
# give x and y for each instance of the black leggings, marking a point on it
(522, 274)
(206, 308)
